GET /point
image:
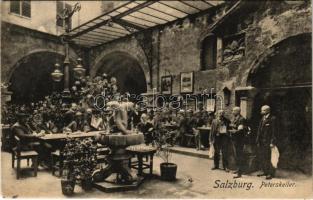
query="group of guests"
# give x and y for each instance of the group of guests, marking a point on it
(52, 115)
(223, 130)
(179, 125)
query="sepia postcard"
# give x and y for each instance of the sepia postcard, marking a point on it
(202, 99)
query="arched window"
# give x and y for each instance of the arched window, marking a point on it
(208, 53)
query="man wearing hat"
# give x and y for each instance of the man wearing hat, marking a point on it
(29, 140)
(220, 139)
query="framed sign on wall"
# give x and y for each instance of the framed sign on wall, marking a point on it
(210, 105)
(166, 85)
(186, 82)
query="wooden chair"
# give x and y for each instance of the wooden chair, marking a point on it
(57, 162)
(190, 139)
(102, 153)
(18, 154)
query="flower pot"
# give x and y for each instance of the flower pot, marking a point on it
(67, 187)
(168, 171)
(86, 184)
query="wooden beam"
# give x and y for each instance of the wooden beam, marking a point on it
(119, 16)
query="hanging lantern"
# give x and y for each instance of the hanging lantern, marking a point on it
(57, 74)
(79, 70)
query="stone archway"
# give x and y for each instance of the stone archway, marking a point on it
(283, 79)
(30, 78)
(130, 75)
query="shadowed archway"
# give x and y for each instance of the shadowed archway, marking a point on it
(128, 72)
(31, 80)
(283, 78)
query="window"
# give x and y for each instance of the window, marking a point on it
(208, 53)
(61, 5)
(21, 8)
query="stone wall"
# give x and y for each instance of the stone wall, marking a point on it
(176, 47)
(270, 24)
(180, 52)
(18, 42)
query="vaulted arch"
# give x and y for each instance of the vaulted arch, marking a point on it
(30, 77)
(130, 75)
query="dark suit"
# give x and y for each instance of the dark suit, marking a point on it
(220, 141)
(238, 139)
(266, 136)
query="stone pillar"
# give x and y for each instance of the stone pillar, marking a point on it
(219, 51)
(246, 95)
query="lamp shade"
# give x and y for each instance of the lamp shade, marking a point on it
(79, 70)
(57, 74)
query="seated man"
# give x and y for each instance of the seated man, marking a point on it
(77, 124)
(48, 124)
(35, 122)
(30, 141)
(188, 128)
(87, 120)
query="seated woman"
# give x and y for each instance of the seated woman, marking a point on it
(146, 128)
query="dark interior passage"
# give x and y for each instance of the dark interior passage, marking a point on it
(31, 80)
(129, 74)
(284, 83)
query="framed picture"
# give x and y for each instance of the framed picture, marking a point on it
(210, 105)
(166, 85)
(186, 82)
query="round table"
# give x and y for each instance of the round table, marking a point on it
(141, 151)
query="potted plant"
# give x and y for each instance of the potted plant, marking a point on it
(79, 162)
(167, 168)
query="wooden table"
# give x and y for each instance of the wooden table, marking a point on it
(59, 136)
(141, 151)
(204, 133)
(6, 137)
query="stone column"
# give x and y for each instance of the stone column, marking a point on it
(219, 51)
(246, 95)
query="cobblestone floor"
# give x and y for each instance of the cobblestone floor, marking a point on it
(195, 180)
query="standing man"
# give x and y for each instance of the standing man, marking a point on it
(238, 128)
(266, 140)
(220, 139)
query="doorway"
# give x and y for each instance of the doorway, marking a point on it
(284, 82)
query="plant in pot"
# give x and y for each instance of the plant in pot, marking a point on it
(167, 168)
(79, 163)
(87, 162)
